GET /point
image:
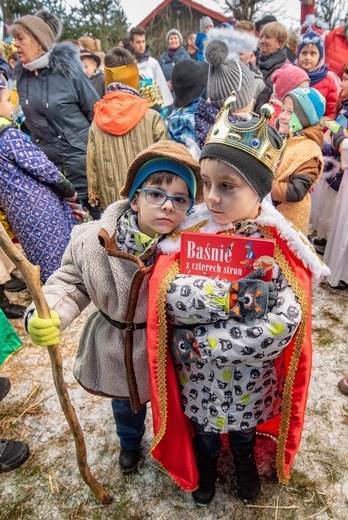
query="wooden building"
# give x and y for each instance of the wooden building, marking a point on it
(183, 15)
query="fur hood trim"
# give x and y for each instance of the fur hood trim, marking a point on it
(236, 41)
(297, 241)
(63, 60)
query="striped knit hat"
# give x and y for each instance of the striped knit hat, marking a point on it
(309, 107)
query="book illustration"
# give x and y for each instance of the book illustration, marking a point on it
(225, 256)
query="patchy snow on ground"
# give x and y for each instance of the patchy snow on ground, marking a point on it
(49, 486)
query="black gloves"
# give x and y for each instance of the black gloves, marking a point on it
(184, 346)
(252, 298)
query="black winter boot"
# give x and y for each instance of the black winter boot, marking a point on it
(10, 310)
(248, 480)
(206, 480)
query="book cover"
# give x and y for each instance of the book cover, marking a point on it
(228, 257)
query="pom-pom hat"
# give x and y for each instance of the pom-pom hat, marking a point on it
(312, 38)
(44, 26)
(309, 107)
(226, 76)
(252, 147)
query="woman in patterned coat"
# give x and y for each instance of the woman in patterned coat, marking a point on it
(32, 192)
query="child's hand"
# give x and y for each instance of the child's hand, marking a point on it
(184, 346)
(252, 298)
(338, 137)
(44, 332)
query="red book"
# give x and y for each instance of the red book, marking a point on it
(228, 257)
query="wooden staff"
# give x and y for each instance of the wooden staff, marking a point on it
(31, 276)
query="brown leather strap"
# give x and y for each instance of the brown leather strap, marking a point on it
(125, 325)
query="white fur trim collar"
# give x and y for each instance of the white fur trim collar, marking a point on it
(297, 241)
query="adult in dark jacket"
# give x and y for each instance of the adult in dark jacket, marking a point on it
(56, 96)
(273, 54)
(174, 53)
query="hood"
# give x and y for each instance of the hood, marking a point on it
(118, 112)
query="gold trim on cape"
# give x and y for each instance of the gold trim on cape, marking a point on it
(300, 336)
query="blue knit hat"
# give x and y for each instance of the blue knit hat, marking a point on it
(309, 107)
(312, 38)
(164, 165)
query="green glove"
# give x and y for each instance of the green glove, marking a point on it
(44, 332)
(252, 298)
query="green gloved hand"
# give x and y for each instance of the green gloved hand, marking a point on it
(44, 331)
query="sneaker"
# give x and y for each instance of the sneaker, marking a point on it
(12, 454)
(15, 285)
(248, 479)
(343, 385)
(128, 460)
(205, 492)
(5, 385)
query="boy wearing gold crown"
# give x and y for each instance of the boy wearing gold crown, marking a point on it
(243, 358)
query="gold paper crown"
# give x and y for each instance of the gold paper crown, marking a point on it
(253, 140)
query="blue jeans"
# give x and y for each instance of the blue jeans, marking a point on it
(130, 426)
(208, 444)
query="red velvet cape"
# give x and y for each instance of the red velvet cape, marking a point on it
(172, 446)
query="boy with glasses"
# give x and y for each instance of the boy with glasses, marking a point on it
(108, 262)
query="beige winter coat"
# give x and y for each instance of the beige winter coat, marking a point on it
(109, 156)
(109, 361)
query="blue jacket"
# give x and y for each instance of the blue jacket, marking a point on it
(167, 63)
(58, 101)
(199, 42)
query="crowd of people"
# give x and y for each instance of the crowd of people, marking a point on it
(238, 130)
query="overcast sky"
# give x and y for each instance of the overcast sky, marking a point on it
(287, 12)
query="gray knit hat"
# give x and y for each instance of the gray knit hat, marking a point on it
(226, 76)
(174, 31)
(204, 22)
(44, 26)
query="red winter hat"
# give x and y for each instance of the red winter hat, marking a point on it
(287, 78)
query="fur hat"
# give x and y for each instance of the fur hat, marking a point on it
(87, 54)
(204, 22)
(287, 78)
(175, 153)
(236, 41)
(226, 76)
(189, 80)
(312, 38)
(254, 171)
(174, 31)
(44, 26)
(309, 107)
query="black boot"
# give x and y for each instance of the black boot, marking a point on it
(206, 480)
(9, 309)
(248, 480)
(15, 285)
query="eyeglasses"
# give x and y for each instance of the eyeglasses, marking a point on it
(159, 198)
